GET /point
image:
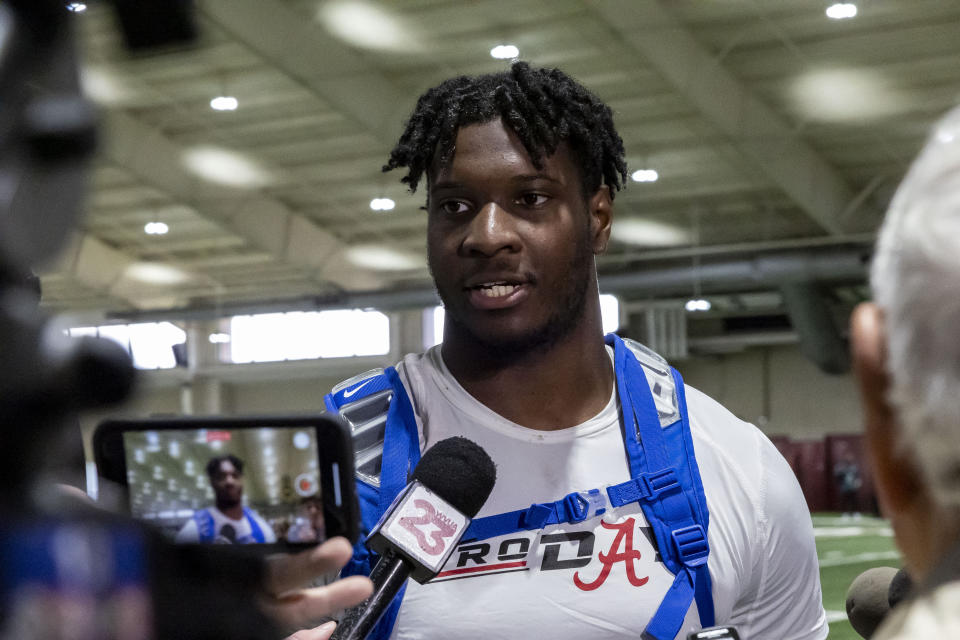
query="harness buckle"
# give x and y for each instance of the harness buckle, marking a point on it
(691, 545)
(658, 482)
(535, 516)
(576, 507)
(646, 486)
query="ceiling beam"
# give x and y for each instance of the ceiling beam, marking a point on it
(264, 222)
(757, 130)
(308, 53)
(97, 265)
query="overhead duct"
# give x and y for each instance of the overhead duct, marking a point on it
(728, 276)
(768, 271)
(820, 339)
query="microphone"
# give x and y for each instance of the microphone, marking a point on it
(228, 533)
(871, 596)
(422, 527)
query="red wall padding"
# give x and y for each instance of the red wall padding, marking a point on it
(813, 462)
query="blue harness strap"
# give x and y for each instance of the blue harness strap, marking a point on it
(255, 531)
(401, 453)
(664, 479)
(204, 520)
(679, 518)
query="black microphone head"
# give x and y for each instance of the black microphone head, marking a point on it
(229, 532)
(867, 599)
(900, 588)
(459, 471)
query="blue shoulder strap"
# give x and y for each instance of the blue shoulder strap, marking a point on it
(204, 520)
(679, 518)
(255, 529)
(401, 453)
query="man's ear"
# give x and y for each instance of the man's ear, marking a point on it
(897, 477)
(600, 207)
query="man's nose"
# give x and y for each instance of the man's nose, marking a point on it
(491, 230)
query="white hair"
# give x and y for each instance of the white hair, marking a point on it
(916, 281)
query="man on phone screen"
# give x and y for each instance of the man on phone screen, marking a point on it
(228, 522)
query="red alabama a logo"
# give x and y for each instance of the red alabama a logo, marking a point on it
(627, 557)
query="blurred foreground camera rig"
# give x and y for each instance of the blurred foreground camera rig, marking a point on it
(66, 569)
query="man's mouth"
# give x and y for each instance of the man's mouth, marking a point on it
(495, 289)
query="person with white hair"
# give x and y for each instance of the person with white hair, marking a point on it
(906, 351)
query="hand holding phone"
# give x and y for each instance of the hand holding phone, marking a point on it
(300, 608)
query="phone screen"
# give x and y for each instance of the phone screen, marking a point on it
(228, 485)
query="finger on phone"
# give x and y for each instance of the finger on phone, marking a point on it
(303, 608)
(286, 572)
(323, 632)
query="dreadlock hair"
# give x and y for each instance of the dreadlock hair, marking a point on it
(544, 107)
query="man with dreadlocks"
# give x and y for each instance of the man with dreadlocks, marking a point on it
(626, 504)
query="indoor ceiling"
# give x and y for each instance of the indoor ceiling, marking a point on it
(778, 135)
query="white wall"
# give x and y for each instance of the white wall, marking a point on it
(786, 396)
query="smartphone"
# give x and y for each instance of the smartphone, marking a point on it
(715, 633)
(274, 481)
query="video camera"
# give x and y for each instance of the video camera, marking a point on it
(67, 569)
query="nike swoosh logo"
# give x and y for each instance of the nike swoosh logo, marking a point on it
(347, 394)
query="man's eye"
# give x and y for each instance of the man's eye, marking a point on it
(453, 207)
(533, 199)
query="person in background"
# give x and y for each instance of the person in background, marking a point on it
(906, 352)
(309, 525)
(847, 476)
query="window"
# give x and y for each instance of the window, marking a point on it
(150, 344)
(300, 335)
(609, 312)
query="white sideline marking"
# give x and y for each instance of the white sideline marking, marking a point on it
(863, 521)
(860, 557)
(835, 616)
(850, 532)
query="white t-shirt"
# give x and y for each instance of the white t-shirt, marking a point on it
(601, 578)
(243, 532)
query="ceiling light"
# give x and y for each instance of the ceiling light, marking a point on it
(103, 85)
(301, 440)
(222, 166)
(649, 233)
(224, 103)
(504, 52)
(155, 228)
(76, 7)
(846, 95)
(155, 273)
(382, 28)
(219, 338)
(698, 304)
(381, 258)
(842, 10)
(382, 204)
(645, 175)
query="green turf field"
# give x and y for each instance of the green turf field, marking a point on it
(846, 547)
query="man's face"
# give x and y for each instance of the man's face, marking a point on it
(511, 246)
(227, 484)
